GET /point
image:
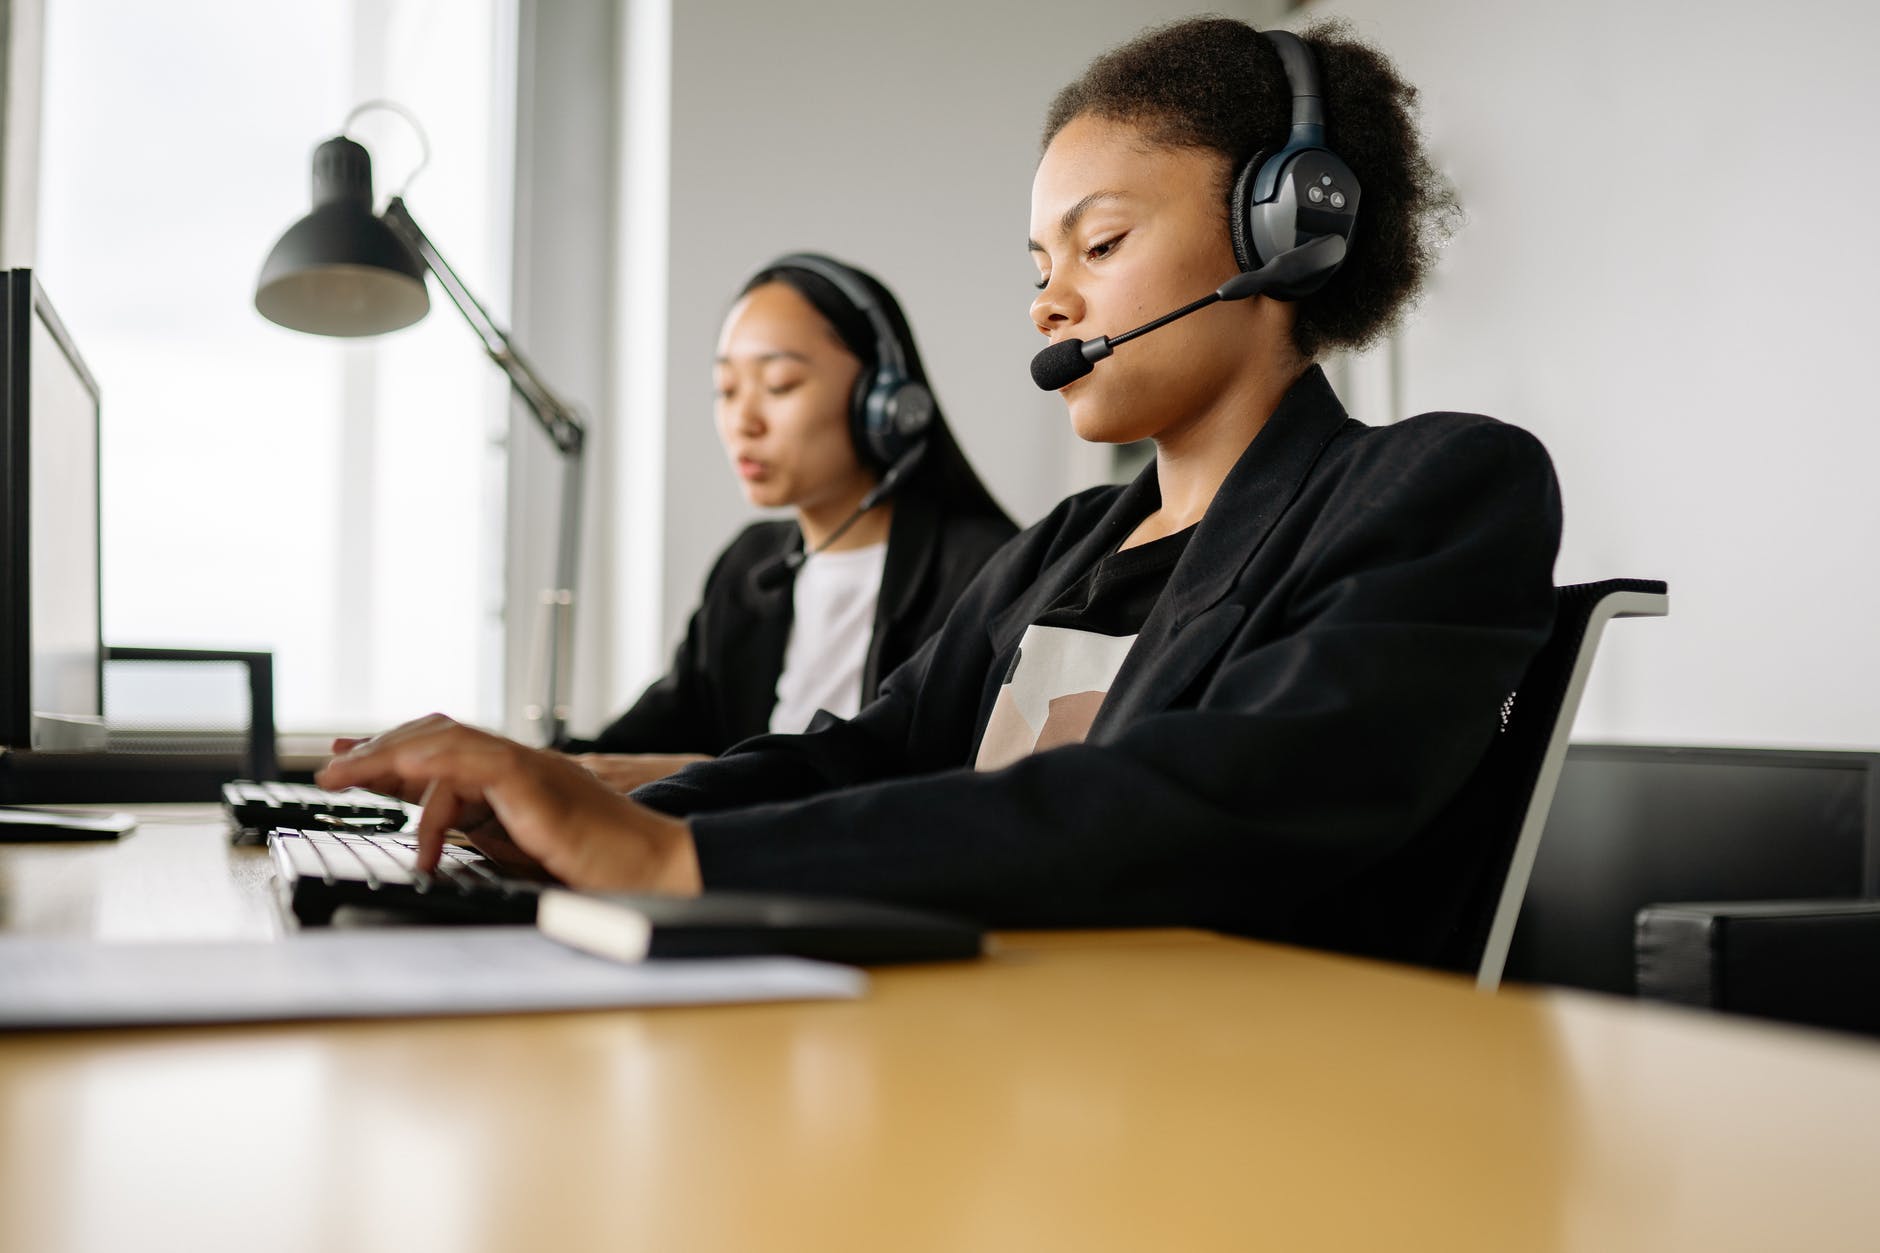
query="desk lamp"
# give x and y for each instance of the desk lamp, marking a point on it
(344, 271)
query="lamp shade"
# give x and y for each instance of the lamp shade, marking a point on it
(341, 270)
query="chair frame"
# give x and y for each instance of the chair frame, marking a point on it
(1626, 599)
(263, 753)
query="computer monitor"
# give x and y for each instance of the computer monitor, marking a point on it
(51, 650)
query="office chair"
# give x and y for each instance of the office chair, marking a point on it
(165, 701)
(179, 722)
(1512, 787)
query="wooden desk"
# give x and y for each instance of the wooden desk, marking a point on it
(1147, 1091)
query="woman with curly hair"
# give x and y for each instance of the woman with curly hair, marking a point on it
(1232, 694)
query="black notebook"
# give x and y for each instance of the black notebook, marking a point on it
(631, 928)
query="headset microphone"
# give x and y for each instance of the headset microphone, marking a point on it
(1068, 360)
(778, 571)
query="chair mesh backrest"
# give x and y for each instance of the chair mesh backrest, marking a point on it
(1493, 803)
(177, 707)
(179, 702)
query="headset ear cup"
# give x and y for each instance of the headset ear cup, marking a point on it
(913, 415)
(859, 433)
(1239, 214)
(896, 417)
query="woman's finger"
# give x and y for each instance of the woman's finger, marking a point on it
(553, 811)
(439, 810)
(465, 770)
(368, 762)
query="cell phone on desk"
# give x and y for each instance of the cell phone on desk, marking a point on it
(53, 826)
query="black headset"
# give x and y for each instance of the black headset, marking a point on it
(1284, 199)
(890, 413)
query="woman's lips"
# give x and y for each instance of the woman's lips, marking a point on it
(751, 470)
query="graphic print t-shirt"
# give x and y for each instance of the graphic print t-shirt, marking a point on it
(1068, 658)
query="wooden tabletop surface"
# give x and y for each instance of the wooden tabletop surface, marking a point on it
(1126, 1090)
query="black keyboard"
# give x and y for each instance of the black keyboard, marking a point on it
(254, 809)
(323, 870)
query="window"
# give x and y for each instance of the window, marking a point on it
(336, 502)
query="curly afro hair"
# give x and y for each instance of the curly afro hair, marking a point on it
(1216, 84)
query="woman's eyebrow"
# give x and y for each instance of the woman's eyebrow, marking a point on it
(1068, 222)
(764, 358)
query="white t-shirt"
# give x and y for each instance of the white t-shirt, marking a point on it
(834, 600)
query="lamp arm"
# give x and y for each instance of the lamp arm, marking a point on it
(559, 419)
(555, 627)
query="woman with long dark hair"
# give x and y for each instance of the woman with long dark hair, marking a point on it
(779, 635)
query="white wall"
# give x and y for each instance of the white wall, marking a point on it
(1669, 274)
(901, 138)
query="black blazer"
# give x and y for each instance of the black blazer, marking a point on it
(723, 682)
(1321, 673)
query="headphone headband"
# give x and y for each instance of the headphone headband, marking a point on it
(888, 355)
(1308, 108)
(890, 413)
(1302, 77)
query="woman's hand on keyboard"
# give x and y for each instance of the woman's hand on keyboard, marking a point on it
(516, 799)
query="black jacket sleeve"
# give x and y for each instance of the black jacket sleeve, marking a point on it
(1350, 692)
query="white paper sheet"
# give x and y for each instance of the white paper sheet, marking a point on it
(59, 982)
